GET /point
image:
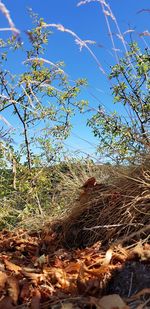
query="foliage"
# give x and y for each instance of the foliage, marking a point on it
(123, 137)
(41, 99)
(43, 192)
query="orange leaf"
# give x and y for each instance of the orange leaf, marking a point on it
(3, 279)
(25, 291)
(14, 289)
(73, 267)
(36, 278)
(12, 267)
(91, 182)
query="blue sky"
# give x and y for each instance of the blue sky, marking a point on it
(88, 22)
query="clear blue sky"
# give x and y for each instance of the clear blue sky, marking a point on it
(88, 23)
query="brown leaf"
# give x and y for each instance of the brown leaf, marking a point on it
(13, 287)
(108, 257)
(73, 267)
(91, 182)
(12, 267)
(141, 252)
(35, 301)
(25, 291)
(89, 287)
(3, 279)
(112, 302)
(101, 271)
(6, 303)
(36, 278)
(61, 277)
(67, 306)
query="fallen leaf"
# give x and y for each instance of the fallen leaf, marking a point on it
(101, 271)
(89, 287)
(12, 267)
(14, 290)
(112, 302)
(60, 277)
(25, 291)
(36, 278)
(67, 306)
(108, 257)
(3, 279)
(73, 267)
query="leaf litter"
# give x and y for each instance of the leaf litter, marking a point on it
(33, 276)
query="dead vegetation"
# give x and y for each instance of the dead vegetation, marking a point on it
(114, 212)
(96, 257)
(35, 272)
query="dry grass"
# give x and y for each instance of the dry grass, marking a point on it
(69, 187)
(6, 13)
(114, 212)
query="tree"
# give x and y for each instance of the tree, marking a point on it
(42, 99)
(125, 136)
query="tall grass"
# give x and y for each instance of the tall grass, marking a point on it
(45, 193)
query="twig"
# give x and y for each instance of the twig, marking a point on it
(130, 287)
(124, 239)
(111, 225)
